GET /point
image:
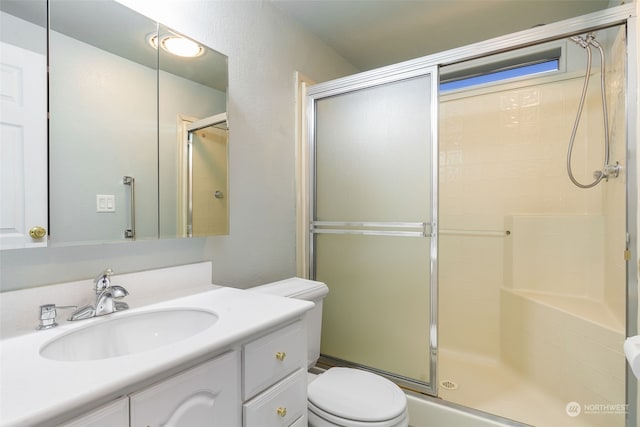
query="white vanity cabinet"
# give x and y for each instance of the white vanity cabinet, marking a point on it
(263, 383)
(207, 395)
(275, 379)
(114, 414)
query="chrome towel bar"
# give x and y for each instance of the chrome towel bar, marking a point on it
(130, 233)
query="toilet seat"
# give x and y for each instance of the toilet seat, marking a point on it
(320, 418)
(352, 397)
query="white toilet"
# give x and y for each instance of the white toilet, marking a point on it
(343, 397)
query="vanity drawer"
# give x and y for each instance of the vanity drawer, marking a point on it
(285, 404)
(273, 357)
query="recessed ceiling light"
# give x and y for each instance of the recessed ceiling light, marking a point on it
(176, 45)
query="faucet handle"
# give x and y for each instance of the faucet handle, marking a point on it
(48, 315)
(103, 280)
(118, 292)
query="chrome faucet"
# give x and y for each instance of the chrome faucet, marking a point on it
(106, 298)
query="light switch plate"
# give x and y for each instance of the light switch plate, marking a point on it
(105, 203)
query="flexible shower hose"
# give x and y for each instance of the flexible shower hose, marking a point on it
(599, 175)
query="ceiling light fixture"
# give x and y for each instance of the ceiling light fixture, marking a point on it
(176, 45)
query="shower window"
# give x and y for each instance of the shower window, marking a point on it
(497, 76)
(503, 69)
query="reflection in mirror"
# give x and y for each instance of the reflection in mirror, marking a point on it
(204, 176)
(23, 128)
(103, 123)
(190, 90)
(116, 98)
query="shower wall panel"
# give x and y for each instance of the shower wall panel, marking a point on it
(503, 152)
(529, 262)
(614, 192)
(559, 254)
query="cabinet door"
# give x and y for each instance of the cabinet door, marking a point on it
(114, 414)
(207, 395)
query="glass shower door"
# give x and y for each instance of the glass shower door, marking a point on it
(374, 224)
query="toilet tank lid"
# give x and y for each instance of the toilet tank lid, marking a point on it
(294, 287)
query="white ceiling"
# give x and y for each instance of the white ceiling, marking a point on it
(374, 33)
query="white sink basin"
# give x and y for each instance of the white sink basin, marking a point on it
(128, 334)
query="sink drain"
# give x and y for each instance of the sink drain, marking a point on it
(448, 384)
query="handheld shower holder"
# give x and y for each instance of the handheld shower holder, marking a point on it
(612, 171)
(609, 171)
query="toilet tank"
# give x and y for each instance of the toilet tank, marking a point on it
(307, 290)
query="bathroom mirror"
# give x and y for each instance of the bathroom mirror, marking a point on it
(117, 99)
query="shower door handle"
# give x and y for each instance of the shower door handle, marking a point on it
(407, 229)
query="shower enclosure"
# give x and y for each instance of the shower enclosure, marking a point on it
(461, 259)
(540, 305)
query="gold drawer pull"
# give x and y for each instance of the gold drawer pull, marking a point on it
(282, 412)
(280, 356)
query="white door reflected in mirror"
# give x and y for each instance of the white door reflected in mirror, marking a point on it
(23, 148)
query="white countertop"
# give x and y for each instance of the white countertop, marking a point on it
(35, 390)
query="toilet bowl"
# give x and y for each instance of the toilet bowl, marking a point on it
(344, 397)
(355, 398)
